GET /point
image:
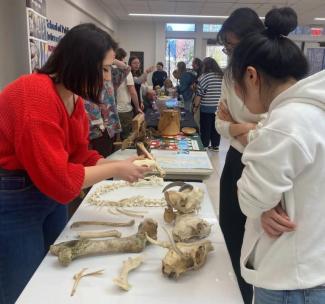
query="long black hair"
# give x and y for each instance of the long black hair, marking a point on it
(209, 65)
(271, 53)
(241, 22)
(77, 60)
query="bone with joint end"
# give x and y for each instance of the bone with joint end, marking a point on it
(128, 265)
(99, 234)
(71, 250)
(99, 223)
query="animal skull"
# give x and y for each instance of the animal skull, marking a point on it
(183, 257)
(187, 200)
(188, 227)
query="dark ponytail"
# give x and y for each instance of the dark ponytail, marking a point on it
(281, 21)
(273, 55)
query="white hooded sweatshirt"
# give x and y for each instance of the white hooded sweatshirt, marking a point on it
(286, 162)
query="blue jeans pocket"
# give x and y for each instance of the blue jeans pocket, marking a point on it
(14, 183)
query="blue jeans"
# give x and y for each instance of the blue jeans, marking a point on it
(314, 295)
(29, 223)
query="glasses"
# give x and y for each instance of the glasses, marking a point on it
(229, 48)
(227, 51)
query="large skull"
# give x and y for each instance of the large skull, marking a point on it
(189, 227)
(187, 201)
(194, 257)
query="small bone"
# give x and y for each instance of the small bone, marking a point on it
(99, 234)
(78, 276)
(129, 213)
(128, 265)
(112, 224)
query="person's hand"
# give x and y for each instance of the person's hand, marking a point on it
(243, 139)
(120, 64)
(276, 221)
(224, 114)
(150, 69)
(249, 126)
(130, 172)
(139, 111)
(142, 106)
(195, 108)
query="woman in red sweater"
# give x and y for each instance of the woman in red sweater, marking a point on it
(44, 156)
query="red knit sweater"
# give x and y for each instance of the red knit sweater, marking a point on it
(38, 135)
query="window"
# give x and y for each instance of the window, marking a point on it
(181, 27)
(215, 51)
(178, 50)
(211, 28)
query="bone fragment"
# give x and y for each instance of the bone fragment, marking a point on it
(78, 276)
(99, 234)
(128, 265)
(98, 223)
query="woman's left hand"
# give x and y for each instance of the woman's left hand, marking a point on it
(276, 221)
(223, 113)
(243, 139)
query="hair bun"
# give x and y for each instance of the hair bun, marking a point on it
(281, 21)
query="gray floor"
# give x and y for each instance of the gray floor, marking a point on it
(217, 160)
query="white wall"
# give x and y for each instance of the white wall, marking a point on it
(14, 43)
(74, 12)
(139, 36)
(13, 29)
(142, 36)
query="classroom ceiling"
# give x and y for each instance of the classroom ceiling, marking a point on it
(307, 10)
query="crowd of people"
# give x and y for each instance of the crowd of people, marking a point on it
(59, 124)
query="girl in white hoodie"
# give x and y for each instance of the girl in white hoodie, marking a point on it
(282, 188)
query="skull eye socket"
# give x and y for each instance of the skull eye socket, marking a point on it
(199, 255)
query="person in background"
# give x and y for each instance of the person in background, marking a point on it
(126, 95)
(184, 88)
(197, 66)
(281, 189)
(150, 100)
(168, 88)
(206, 99)
(44, 157)
(159, 76)
(176, 76)
(234, 122)
(103, 118)
(139, 77)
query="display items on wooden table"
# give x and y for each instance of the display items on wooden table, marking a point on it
(180, 143)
